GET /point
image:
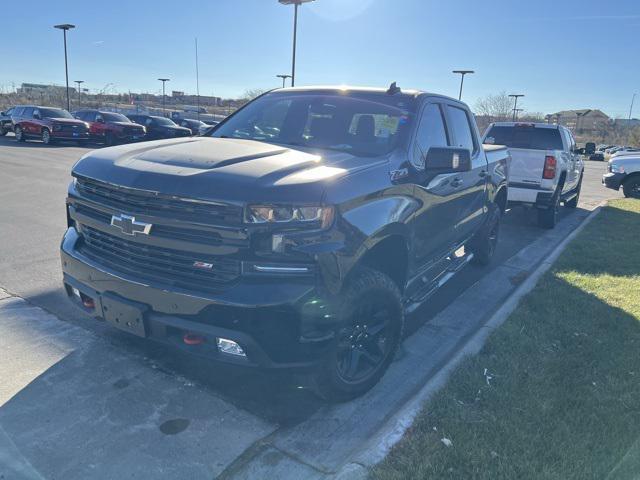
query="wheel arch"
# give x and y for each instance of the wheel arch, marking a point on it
(389, 255)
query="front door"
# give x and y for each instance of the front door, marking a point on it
(433, 223)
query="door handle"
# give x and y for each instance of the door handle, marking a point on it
(456, 182)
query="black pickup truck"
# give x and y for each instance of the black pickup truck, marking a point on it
(298, 233)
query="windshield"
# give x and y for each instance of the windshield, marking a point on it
(54, 113)
(367, 124)
(114, 117)
(527, 137)
(163, 121)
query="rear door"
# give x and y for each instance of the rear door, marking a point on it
(471, 192)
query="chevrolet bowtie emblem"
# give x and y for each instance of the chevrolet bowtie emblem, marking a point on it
(129, 225)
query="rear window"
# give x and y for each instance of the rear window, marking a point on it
(528, 137)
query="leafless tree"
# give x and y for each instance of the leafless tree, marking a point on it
(495, 108)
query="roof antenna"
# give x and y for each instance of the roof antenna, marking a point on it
(393, 89)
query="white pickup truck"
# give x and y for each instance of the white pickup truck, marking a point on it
(546, 166)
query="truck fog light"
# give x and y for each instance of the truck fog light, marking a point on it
(76, 292)
(230, 347)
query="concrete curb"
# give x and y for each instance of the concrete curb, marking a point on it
(379, 446)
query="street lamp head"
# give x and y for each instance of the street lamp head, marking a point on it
(463, 72)
(164, 79)
(64, 26)
(294, 2)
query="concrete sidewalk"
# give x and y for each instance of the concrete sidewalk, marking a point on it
(74, 407)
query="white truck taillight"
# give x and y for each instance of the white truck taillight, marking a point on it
(550, 164)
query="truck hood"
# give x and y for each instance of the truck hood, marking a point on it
(231, 170)
(68, 121)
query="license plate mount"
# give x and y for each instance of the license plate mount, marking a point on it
(124, 315)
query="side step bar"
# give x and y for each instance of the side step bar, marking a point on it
(416, 301)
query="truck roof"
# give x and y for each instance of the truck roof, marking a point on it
(351, 88)
(528, 124)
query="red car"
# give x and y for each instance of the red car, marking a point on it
(111, 128)
(47, 124)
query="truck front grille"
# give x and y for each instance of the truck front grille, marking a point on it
(156, 204)
(191, 271)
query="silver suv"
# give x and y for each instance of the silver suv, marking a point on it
(624, 171)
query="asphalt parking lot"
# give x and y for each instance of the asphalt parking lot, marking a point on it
(231, 411)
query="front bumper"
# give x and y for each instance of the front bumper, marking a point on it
(613, 180)
(279, 323)
(64, 135)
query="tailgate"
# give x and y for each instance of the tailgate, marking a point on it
(527, 165)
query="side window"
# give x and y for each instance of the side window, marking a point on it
(18, 111)
(431, 133)
(81, 116)
(148, 122)
(94, 117)
(461, 128)
(35, 113)
(9, 112)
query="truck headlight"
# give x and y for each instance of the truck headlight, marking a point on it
(616, 168)
(320, 215)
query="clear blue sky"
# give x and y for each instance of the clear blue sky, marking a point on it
(560, 53)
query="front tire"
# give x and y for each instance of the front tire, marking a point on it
(370, 330)
(46, 136)
(19, 134)
(483, 246)
(631, 187)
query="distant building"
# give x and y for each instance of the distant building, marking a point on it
(36, 88)
(626, 122)
(581, 121)
(177, 93)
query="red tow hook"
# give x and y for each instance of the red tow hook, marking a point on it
(193, 339)
(88, 302)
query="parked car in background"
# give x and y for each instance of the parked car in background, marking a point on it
(624, 172)
(301, 248)
(47, 124)
(625, 151)
(196, 126)
(612, 150)
(5, 122)
(110, 128)
(597, 156)
(546, 166)
(159, 127)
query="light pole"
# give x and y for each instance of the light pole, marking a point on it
(164, 81)
(296, 4)
(284, 78)
(79, 82)
(64, 27)
(518, 110)
(462, 73)
(515, 96)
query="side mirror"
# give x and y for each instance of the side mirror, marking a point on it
(37, 116)
(100, 120)
(590, 148)
(579, 151)
(447, 160)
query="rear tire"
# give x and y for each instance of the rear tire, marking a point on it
(631, 187)
(483, 246)
(371, 323)
(548, 217)
(19, 134)
(573, 203)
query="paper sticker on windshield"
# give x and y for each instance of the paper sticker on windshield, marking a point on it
(388, 126)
